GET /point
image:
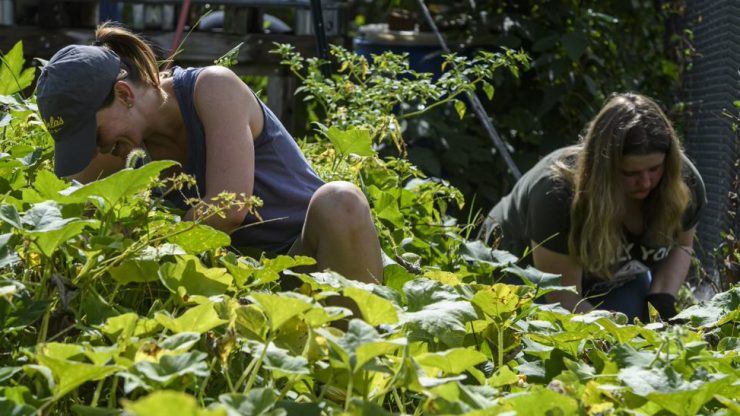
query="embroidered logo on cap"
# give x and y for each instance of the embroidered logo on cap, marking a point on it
(53, 124)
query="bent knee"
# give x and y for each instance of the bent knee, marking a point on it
(340, 200)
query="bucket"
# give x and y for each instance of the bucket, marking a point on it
(422, 48)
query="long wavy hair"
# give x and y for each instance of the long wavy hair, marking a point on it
(628, 124)
(138, 61)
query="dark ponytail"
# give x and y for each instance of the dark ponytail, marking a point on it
(137, 57)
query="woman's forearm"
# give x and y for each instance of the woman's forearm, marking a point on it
(672, 272)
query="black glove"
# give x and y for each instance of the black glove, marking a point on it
(664, 303)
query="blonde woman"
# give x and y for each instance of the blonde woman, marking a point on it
(614, 215)
(102, 101)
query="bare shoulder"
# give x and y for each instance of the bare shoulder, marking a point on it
(217, 79)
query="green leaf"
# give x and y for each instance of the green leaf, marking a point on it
(488, 89)
(423, 292)
(542, 401)
(271, 268)
(575, 44)
(199, 238)
(497, 301)
(139, 271)
(353, 141)
(713, 312)
(189, 273)
(164, 402)
(452, 361)
(13, 78)
(80, 410)
(689, 401)
(70, 374)
(503, 377)
(9, 214)
(11, 408)
(478, 251)
(279, 308)
(171, 367)
(119, 185)
(444, 321)
(198, 319)
(374, 309)
(255, 402)
(279, 359)
(8, 255)
(360, 344)
(460, 108)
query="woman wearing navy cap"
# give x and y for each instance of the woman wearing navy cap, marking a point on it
(100, 102)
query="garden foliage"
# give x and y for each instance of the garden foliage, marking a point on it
(111, 303)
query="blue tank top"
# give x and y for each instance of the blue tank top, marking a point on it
(283, 179)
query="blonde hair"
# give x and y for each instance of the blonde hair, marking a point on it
(137, 57)
(628, 124)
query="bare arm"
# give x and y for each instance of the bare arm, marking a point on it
(226, 108)
(550, 261)
(672, 271)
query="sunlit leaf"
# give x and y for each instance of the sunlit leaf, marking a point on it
(279, 307)
(198, 238)
(171, 367)
(452, 361)
(279, 359)
(165, 402)
(139, 271)
(71, 374)
(374, 309)
(197, 319)
(188, 272)
(354, 141)
(254, 402)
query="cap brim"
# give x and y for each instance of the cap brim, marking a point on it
(73, 152)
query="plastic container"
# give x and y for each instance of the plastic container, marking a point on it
(423, 49)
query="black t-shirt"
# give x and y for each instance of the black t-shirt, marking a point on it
(538, 209)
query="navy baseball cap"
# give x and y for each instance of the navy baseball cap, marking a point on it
(70, 90)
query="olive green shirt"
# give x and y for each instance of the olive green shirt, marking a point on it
(538, 209)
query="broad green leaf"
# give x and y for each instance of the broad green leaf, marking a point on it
(69, 375)
(9, 214)
(707, 314)
(422, 292)
(94, 411)
(503, 377)
(255, 402)
(180, 342)
(198, 238)
(279, 359)
(545, 282)
(690, 401)
(271, 268)
(626, 356)
(644, 381)
(374, 309)
(478, 251)
(198, 319)
(279, 308)
(49, 241)
(11, 408)
(443, 321)
(8, 255)
(575, 44)
(189, 273)
(448, 278)
(251, 322)
(165, 402)
(452, 361)
(13, 78)
(498, 301)
(385, 206)
(542, 401)
(353, 141)
(135, 271)
(21, 314)
(171, 367)
(47, 186)
(121, 184)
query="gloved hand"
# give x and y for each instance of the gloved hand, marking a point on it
(664, 303)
